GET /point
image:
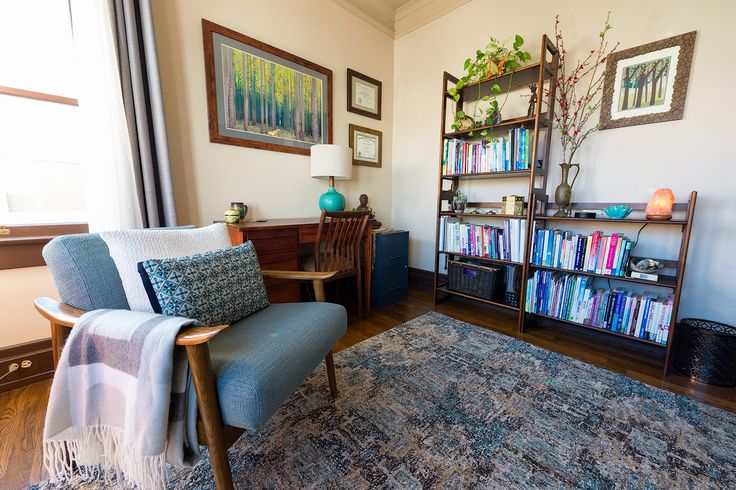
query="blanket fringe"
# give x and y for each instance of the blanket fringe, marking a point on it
(100, 452)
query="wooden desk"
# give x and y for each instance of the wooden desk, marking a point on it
(277, 243)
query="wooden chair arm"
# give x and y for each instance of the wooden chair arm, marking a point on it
(198, 335)
(57, 312)
(298, 275)
(66, 316)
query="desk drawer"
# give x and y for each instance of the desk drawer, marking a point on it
(308, 234)
(272, 241)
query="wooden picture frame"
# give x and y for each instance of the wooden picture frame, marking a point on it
(285, 105)
(364, 95)
(658, 75)
(367, 141)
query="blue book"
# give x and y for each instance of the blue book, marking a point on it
(624, 259)
(643, 331)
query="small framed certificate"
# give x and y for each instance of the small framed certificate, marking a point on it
(367, 146)
(364, 95)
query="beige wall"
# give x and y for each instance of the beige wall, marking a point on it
(18, 287)
(624, 164)
(207, 176)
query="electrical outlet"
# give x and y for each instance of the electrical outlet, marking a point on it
(13, 367)
(4, 230)
(26, 363)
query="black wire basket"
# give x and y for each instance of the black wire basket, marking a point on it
(706, 351)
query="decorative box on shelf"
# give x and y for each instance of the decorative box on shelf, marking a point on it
(390, 267)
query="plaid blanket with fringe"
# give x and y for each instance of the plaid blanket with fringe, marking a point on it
(121, 405)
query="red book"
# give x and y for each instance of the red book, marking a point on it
(590, 266)
(611, 253)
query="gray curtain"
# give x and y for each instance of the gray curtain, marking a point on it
(144, 110)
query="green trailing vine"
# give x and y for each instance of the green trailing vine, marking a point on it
(496, 59)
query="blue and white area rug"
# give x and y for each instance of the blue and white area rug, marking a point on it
(438, 403)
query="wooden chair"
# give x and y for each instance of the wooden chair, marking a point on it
(96, 284)
(337, 248)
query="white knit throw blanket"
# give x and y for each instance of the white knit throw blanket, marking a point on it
(121, 405)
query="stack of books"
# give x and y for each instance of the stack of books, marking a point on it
(491, 242)
(573, 297)
(596, 253)
(500, 155)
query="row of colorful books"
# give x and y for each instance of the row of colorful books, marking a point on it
(596, 253)
(504, 242)
(502, 154)
(574, 298)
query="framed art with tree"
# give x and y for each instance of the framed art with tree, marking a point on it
(648, 83)
(262, 97)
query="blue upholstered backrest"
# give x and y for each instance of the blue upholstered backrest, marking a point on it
(84, 273)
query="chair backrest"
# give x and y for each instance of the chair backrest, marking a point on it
(338, 241)
(84, 272)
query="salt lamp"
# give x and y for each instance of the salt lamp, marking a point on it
(660, 205)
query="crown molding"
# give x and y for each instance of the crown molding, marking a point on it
(403, 20)
(417, 13)
(377, 14)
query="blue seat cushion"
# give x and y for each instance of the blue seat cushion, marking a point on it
(262, 359)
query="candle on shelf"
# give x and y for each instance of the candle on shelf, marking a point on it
(660, 205)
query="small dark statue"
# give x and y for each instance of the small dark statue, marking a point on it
(375, 224)
(532, 100)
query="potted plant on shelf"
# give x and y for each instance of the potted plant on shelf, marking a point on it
(458, 201)
(496, 59)
(579, 91)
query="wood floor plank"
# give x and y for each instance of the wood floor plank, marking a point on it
(22, 411)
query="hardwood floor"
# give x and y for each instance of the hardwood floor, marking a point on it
(22, 410)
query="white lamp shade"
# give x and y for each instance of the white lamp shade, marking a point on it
(331, 161)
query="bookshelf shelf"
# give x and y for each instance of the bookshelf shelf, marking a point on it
(519, 121)
(596, 329)
(491, 175)
(475, 298)
(485, 259)
(525, 75)
(481, 215)
(664, 281)
(675, 222)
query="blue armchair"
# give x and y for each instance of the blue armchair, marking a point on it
(242, 373)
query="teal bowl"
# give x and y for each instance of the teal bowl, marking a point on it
(619, 211)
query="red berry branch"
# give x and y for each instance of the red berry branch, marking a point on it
(579, 90)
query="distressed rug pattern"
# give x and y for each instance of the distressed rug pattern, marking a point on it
(441, 403)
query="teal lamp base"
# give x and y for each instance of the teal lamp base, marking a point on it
(332, 200)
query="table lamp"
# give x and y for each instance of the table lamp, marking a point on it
(660, 205)
(331, 162)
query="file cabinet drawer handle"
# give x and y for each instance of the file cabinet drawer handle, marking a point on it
(394, 289)
(395, 257)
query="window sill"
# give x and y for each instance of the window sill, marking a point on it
(22, 248)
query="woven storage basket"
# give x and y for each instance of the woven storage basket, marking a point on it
(706, 351)
(472, 279)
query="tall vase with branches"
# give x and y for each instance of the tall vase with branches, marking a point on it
(579, 92)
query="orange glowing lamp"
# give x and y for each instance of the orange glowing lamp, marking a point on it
(660, 205)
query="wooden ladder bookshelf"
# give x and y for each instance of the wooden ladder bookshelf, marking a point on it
(539, 73)
(537, 207)
(671, 283)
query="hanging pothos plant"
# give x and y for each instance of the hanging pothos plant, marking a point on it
(496, 59)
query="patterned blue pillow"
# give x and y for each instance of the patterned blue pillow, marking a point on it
(216, 288)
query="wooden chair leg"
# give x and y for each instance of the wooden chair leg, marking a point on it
(359, 283)
(330, 364)
(209, 412)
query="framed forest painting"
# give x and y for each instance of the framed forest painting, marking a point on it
(262, 97)
(648, 83)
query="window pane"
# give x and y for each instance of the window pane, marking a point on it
(41, 179)
(36, 46)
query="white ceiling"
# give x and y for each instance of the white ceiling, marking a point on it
(399, 17)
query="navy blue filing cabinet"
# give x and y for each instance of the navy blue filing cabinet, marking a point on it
(391, 268)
